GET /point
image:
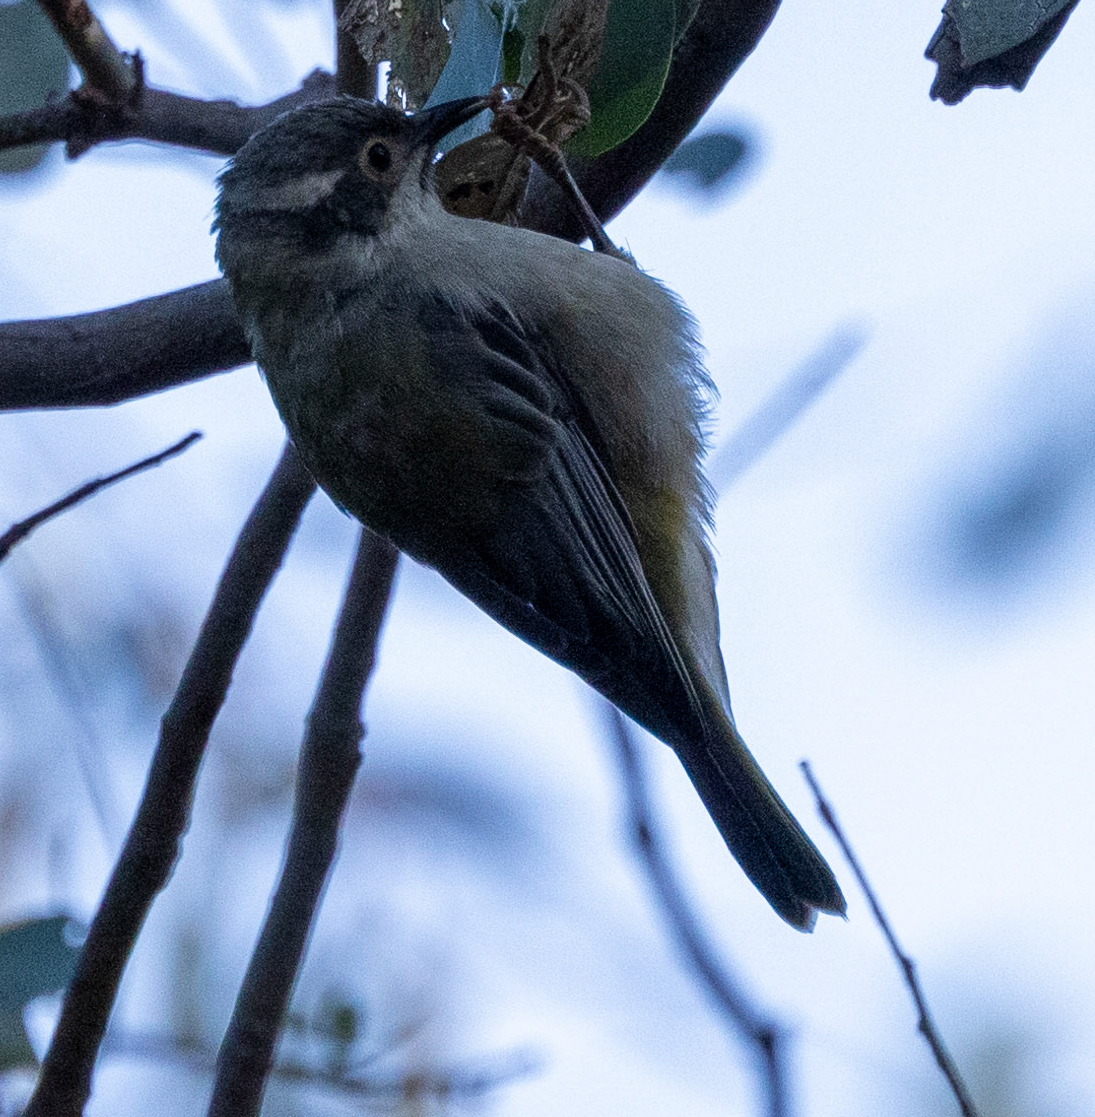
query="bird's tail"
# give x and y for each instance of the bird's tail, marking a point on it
(761, 832)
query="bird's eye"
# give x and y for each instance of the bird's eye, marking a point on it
(380, 158)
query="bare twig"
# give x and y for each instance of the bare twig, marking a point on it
(158, 115)
(925, 1024)
(85, 740)
(786, 403)
(108, 74)
(524, 134)
(152, 846)
(18, 532)
(762, 1034)
(328, 764)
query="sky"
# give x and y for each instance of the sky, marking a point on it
(905, 589)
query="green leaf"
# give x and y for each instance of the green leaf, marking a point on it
(686, 11)
(37, 957)
(33, 64)
(630, 74)
(513, 46)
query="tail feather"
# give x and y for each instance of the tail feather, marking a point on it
(761, 833)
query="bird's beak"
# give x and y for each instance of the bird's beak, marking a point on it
(433, 124)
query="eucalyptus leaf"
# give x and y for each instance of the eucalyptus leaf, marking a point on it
(686, 11)
(628, 80)
(987, 28)
(711, 164)
(992, 43)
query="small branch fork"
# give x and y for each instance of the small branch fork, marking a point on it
(217, 127)
(763, 1035)
(154, 841)
(18, 532)
(925, 1024)
(109, 75)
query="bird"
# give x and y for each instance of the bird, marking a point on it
(523, 415)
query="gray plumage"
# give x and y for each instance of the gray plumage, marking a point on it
(522, 415)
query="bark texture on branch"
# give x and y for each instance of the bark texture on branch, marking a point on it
(107, 356)
(158, 115)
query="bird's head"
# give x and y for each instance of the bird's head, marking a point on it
(335, 167)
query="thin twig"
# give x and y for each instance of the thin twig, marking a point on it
(108, 73)
(759, 1032)
(17, 532)
(527, 139)
(85, 740)
(329, 761)
(217, 127)
(152, 846)
(779, 411)
(925, 1024)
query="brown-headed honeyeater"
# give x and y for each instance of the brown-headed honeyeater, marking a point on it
(517, 412)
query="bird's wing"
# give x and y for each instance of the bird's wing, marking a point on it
(562, 567)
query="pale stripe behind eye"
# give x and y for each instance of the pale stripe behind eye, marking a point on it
(299, 193)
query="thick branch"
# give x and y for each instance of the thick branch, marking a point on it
(328, 764)
(107, 356)
(219, 127)
(193, 332)
(153, 843)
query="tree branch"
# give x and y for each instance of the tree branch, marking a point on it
(218, 127)
(108, 74)
(925, 1024)
(761, 1034)
(154, 840)
(107, 356)
(193, 333)
(328, 764)
(18, 532)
